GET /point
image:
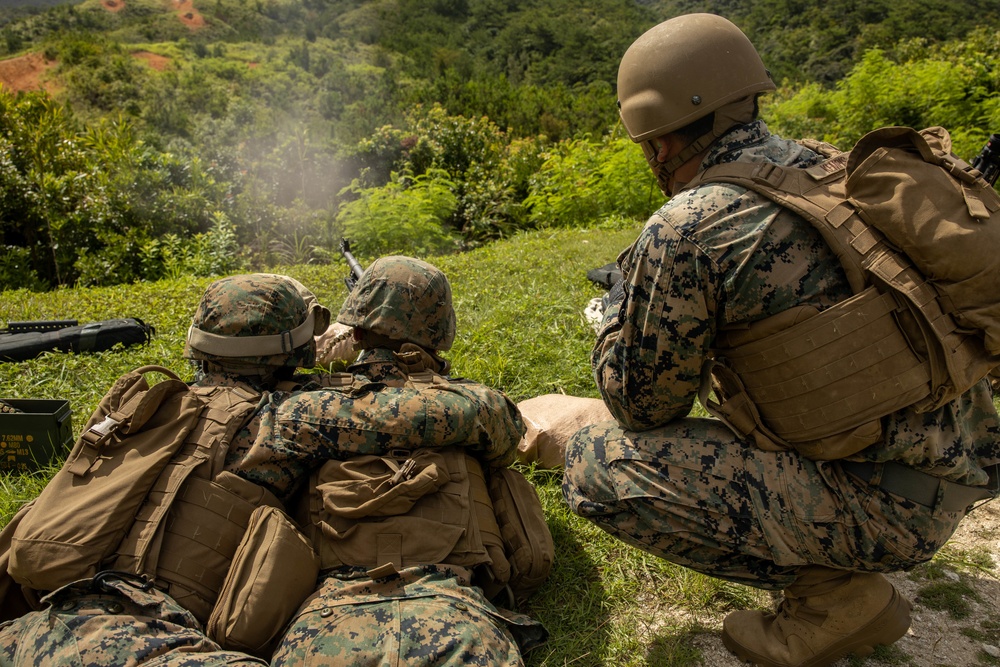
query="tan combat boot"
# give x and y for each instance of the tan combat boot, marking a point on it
(826, 614)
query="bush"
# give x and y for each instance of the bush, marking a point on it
(488, 171)
(404, 216)
(15, 269)
(213, 253)
(583, 181)
(954, 85)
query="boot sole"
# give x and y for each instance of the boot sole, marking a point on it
(890, 624)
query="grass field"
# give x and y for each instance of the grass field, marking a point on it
(519, 305)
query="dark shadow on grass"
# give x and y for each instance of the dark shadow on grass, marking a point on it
(570, 603)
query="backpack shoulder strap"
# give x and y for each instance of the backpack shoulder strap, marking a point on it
(15, 599)
(815, 193)
(222, 412)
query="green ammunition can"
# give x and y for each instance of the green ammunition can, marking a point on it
(34, 434)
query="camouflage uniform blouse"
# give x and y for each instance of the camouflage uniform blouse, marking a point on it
(293, 432)
(720, 255)
(353, 618)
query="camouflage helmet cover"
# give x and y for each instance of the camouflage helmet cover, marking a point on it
(404, 299)
(256, 321)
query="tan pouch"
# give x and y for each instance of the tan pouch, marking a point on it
(414, 509)
(273, 572)
(528, 542)
(86, 509)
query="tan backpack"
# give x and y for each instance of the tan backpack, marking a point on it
(916, 229)
(430, 506)
(144, 491)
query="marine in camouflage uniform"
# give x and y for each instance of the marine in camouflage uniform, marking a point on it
(689, 490)
(431, 613)
(120, 619)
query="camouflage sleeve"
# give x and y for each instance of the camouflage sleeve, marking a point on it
(498, 425)
(649, 352)
(298, 431)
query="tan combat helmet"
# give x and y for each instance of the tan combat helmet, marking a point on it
(682, 70)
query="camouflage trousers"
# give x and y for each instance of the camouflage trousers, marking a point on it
(419, 618)
(696, 495)
(121, 625)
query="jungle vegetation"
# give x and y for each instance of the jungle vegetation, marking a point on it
(203, 137)
(176, 141)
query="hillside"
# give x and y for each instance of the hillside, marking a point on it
(801, 40)
(805, 40)
(211, 135)
(149, 145)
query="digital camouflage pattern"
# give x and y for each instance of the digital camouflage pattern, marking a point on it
(290, 433)
(297, 431)
(428, 616)
(116, 623)
(694, 494)
(690, 490)
(404, 299)
(257, 304)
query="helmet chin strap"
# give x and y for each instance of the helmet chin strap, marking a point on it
(726, 117)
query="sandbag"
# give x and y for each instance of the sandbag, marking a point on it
(551, 420)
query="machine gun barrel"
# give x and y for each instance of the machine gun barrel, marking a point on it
(356, 271)
(988, 160)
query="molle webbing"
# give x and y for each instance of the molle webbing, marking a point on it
(199, 542)
(833, 371)
(901, 347)
(186, 532)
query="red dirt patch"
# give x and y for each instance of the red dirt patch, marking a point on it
(27, 73)
(113, 5)
(154, 60)
(188, 15)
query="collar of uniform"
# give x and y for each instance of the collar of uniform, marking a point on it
(379, 365)
(728, 147)
(210, 377)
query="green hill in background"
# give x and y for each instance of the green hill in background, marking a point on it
(149, 145)
(188, 137)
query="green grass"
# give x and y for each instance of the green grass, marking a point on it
(521, 329)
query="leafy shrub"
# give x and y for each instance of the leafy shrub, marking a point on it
(583, 181)
(213, 253)
(15, 269)
(81, 200)
(404, 216)
(488, 171)
(954, 85)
